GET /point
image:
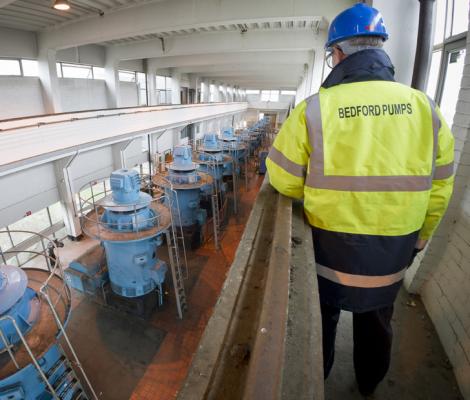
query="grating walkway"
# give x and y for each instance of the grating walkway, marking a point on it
(420, 369)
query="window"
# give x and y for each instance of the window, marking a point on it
(98, 73)
(288, 92)
(77, 71)
(451, 87)
(127, 76)
(30, 67)
(434, 73)
(270, 95)
(460, 20)
(10, 67)
(142, 87)
(163, 84)
(447, 64)
(251, 91)
(48, 221)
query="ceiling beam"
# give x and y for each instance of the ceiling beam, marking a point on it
(250, 58)
(155, 17)
(220, 43)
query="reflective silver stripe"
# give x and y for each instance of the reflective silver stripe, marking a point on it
(405, 183)
(315, 134)
(280, 159)
(317, 179)
(360, 281)
(444, 171)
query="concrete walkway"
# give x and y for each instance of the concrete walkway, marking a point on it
(420, 369)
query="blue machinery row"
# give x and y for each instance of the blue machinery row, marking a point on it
(132, 221)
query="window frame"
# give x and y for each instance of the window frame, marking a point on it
(18, 60)
(451, 45)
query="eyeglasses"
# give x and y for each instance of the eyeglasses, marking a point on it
(329, 57)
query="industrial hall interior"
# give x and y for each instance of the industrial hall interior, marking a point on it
(234, 199)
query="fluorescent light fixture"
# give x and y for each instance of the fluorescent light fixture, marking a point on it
(62, 5)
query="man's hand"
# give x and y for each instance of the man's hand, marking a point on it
(421, 244)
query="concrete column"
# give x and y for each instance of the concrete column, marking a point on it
(403, 30)
(175, 87)
(151, 72)
(224, 96)
(111, 76)
(309, 77)
(49, 81)
(230, 95)
(207, 91)
(318, 63)
(216, 91)
(194, 84)
(62, 169)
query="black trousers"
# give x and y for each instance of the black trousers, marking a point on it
(372, 337)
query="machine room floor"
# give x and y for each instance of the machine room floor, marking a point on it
(131, 358)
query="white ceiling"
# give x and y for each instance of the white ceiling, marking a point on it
(182, 30)
(38, 15)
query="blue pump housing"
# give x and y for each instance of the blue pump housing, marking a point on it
(189, 186)
(21, 303)
(27, 384)
(212, 153)
(133, 265)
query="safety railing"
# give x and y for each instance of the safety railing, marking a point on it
(49, 283)
(96, 197)
(263, 340)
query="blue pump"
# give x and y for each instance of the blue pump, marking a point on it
(133, 266)
(20, 314)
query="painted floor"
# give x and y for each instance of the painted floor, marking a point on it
(419, 370)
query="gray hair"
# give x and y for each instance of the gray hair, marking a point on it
(359, 43)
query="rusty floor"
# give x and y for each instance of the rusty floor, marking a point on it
(128, 358)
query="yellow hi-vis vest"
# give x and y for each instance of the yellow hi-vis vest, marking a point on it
(371, 157)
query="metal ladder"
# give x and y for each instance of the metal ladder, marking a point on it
(66, 386)
(173, 239)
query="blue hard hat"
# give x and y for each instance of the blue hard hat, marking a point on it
(358, 20)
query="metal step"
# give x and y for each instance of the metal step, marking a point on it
(60, 362)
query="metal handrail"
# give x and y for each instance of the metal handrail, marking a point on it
(55, 270)
(95, 204)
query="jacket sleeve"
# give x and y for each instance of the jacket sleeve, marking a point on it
(443, 180)
(287, 161)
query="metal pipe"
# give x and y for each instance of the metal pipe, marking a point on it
(423, 45)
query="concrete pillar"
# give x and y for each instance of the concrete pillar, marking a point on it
(318, 63)
(62, 169)
(175, 87)
(215, 90)
(309, 77)
(194, 84)
(206, 91)
(224, 94)
(403, 30)
(111, 76)
(49, 81)
(229, 90)
(151, 72)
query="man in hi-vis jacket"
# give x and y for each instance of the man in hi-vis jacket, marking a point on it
(372, 160)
